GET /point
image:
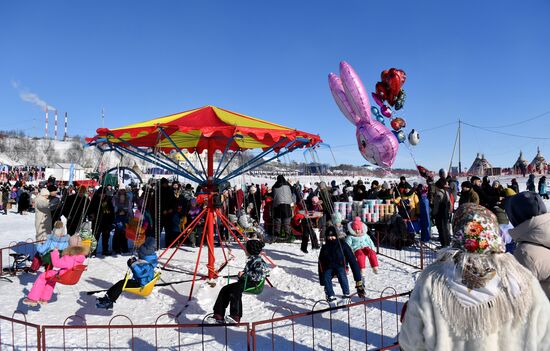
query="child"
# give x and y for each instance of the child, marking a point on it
(335, 255)
(42, 289)
(143, 271)
(362, 246)
(58, 239)
(254, 272)
(337, 222)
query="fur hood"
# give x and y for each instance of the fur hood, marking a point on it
(76, 250)
(536, 230)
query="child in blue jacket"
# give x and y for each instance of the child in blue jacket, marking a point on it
(143, 271)
(57, 239)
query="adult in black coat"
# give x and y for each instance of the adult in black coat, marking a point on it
(74, 208)
(254, 198)
(334, 257)
(168, 209)
(102, 215)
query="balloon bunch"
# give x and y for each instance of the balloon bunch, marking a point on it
(390, 90)
(376, 143)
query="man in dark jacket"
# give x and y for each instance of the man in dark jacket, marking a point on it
(468, 195)
(282, 199)
(168, 208)
(441, 212)
(102, 215)
(74, 208)
(335, 255)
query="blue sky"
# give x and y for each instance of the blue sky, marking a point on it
(486, 62)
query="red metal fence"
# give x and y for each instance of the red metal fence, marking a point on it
(367, 324)
(413, 252)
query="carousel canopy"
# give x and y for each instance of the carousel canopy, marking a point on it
(207, 128)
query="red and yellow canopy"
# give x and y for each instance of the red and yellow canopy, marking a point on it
(206, 128)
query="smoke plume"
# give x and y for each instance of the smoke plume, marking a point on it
(31, 97)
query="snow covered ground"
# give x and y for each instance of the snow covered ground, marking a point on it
(296, 290)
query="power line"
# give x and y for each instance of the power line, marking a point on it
(517, 123)
(504, 133)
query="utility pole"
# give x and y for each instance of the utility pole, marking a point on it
(459, 151)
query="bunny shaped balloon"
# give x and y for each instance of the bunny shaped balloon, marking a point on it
(377, 144)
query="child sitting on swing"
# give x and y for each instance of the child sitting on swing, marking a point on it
(254, 273)
(58, 238)
(42, 289)
(143, 271)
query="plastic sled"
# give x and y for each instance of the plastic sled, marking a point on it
(70, 277)
(145, 290)
(257, 289)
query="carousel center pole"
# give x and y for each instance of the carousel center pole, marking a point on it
(210, 214)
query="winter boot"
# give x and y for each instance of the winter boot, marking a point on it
(232, 319)
(215, 319)
(104, 302)
(30, 302)
(332, 301)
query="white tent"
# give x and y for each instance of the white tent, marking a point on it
(539, 164)
(480, 166)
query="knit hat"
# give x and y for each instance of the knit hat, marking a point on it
(331, 232)
(315, 199)
(148, 248)
(466, 184)
(52, 188)
(357, 225)
(322, 185)
(385, 185)
(476, 230)
(59, 229)
(336, 218)
(474, 178)
(509, 192)
(254, 247)
(524, 206)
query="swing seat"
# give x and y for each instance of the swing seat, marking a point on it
(70, 277)
(255, 290)
(145, 290)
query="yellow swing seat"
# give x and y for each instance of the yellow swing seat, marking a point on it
(145, 290)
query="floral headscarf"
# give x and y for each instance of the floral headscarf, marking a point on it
(476, 230)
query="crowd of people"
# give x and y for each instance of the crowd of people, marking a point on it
(507, 219)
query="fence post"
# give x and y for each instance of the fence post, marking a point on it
(421, 254)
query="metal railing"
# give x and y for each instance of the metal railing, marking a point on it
(410, 251)
(10, 263)
(349, 327)
(367, 324)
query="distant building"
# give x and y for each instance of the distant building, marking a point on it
(520, 167)
(539, 164)
(480, 167)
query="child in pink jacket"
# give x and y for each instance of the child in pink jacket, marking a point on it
(42, 289)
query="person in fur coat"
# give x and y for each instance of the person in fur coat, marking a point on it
(476, 297)
(43, 217)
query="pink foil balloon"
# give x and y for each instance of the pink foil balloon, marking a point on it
(377, 143)
(377, 99)
(337, 90)
(385, 111)
(355, 91)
